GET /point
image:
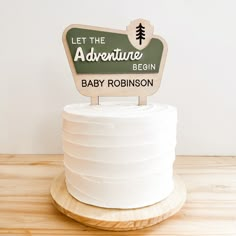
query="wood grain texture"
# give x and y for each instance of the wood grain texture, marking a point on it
(117, 219)
(26, 207)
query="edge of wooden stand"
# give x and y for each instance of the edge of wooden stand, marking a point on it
(116, 219)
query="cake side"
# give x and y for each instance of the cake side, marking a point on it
(119, 155)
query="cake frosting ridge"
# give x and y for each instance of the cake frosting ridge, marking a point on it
(119, 155)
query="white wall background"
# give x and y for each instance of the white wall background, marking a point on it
(199, 76)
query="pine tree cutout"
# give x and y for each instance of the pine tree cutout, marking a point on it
(140, 33)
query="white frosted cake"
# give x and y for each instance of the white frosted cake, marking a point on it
(119, 155)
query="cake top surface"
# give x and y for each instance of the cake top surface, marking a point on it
(116, 109)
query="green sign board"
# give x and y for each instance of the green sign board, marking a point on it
(97, 52)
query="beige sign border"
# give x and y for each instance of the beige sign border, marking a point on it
(94, 93)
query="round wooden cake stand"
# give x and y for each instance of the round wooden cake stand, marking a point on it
(116, 219)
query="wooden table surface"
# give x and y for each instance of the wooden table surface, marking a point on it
(26, 208)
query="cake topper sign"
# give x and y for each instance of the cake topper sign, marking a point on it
(108, 62)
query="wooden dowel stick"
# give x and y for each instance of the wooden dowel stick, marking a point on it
(95, 100)
(142, 100)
